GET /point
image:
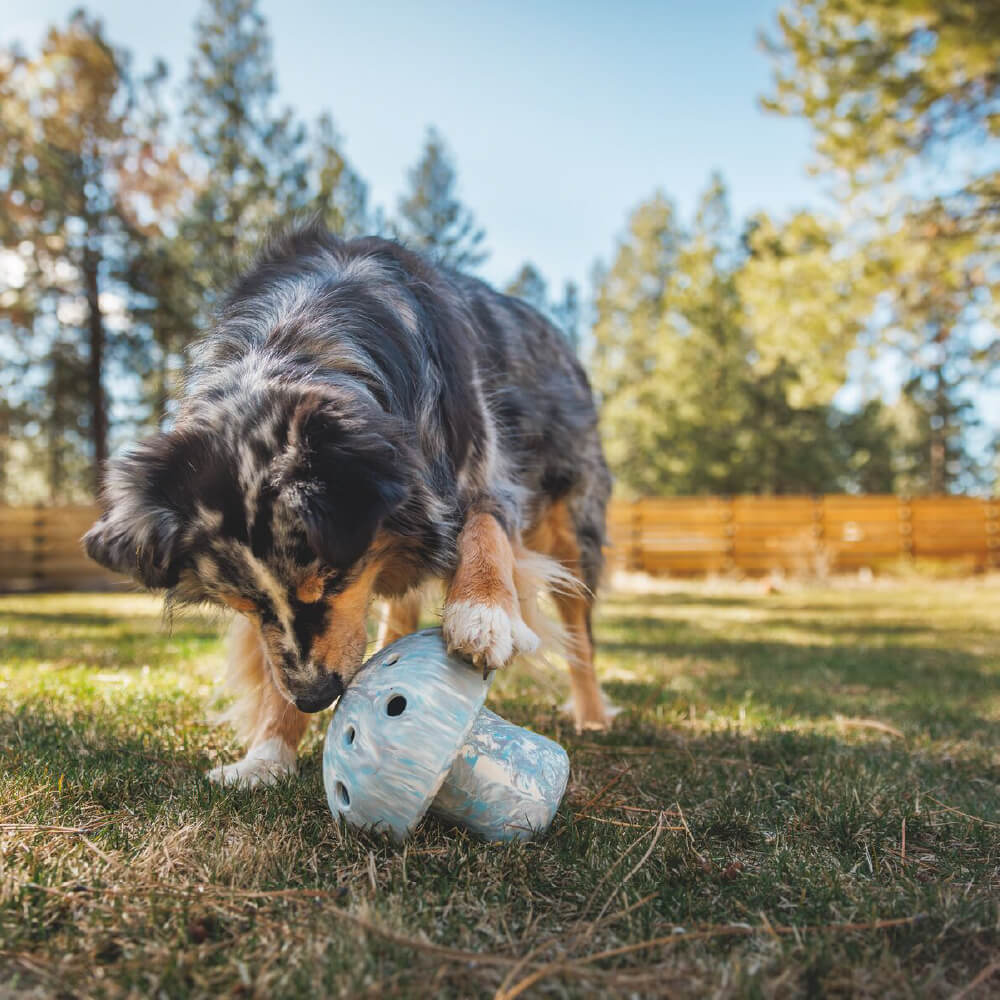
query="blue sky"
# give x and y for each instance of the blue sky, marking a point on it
(561, 115)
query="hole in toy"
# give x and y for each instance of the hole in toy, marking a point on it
(390, 660)
(349, 735)
(396, 706)
(343, 796)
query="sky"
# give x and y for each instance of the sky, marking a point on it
(561, 116)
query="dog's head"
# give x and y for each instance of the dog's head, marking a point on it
(274, 512)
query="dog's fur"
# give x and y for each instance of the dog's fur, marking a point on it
(358, 422)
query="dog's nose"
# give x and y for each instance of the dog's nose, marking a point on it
(320, 695)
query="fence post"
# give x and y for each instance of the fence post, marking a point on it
(38, 547)
(636, 563)
(992, 510)
(906, 527)
(729, 522)
(821, 563)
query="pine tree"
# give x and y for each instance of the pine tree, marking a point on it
(63, 117)
(698, 395)
(338, 195)
(258, 167)
(894, 91)
(431, 216)
(529, 285)
(806, 304)
(118, 236)
(885, 84)
(566, 314)
(252, 162)
(930, 327)
(630, 301)
(165, 301)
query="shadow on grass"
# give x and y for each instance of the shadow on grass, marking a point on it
(104, 641)
(130, 652)
(666, 667)
(95, 756)
(902, 681)
(99, 761)
(681, 598)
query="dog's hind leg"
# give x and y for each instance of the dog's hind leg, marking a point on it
(589, 704)
(400, 617)
(270, 724)
(556, 536)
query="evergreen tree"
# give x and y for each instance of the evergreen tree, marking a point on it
(529, 284)
(656, 357)
(63, 118)
(566, 314)
(885, 84)
(338, 195)
(431, 216)
(630, 301)
(699, 396)
(165, 301)
(893, 91)
(805, 302)
(258, 167)
(930, 326)
(117, 237)
(252, 162)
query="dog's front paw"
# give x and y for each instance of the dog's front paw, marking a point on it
(264, 764)
(486, 634)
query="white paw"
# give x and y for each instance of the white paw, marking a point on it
(486, 634)
(264, 764)
(568, 707)
(600, 719)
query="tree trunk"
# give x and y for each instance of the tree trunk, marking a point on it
(939, 433)
(162, 397)
(95, 368)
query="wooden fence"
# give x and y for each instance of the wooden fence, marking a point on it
(40, 549)
(802, 535)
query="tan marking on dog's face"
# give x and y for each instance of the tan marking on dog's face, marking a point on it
(341, 649)
(310, 590)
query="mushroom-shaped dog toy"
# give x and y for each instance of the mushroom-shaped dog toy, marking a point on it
(411, 734)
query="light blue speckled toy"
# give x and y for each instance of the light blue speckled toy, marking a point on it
(411, 734)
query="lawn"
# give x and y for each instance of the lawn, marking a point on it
(801, 797)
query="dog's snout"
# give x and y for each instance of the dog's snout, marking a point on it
(320, 694)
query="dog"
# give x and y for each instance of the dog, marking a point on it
(360, 421)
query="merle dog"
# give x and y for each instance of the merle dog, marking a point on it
(360, 421)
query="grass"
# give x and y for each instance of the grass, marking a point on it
(801, 798)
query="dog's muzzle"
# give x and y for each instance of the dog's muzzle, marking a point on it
(320, 695)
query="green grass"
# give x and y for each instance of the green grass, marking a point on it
(748, 807)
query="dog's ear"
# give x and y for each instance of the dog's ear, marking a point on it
(350, 470)
(140, 531)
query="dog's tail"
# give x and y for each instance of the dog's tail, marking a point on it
(536, 578)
